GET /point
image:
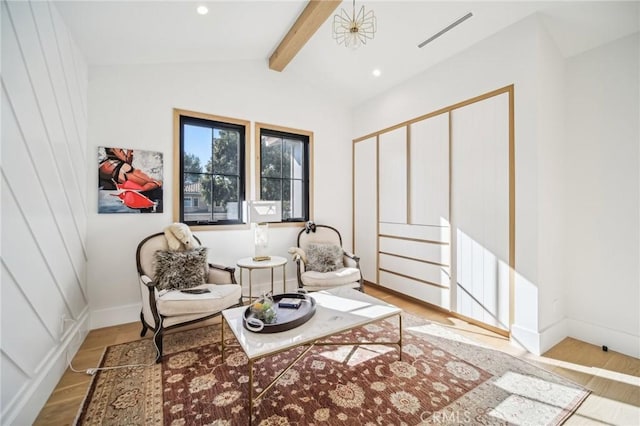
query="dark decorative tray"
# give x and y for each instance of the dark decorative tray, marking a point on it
(287, 318)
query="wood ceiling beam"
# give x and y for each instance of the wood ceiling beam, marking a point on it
(311, 18)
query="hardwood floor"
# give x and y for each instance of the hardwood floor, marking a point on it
(613, 378)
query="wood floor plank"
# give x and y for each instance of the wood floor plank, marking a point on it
(601, 409)
(623, 364)
(59, 414)
(71, 379)
(69, 393)
(614, 390)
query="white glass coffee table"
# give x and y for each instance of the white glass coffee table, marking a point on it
(337, 310)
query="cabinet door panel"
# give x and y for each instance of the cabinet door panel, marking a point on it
(393, 176)
(365, 226)
(480, 209)
(429, 171)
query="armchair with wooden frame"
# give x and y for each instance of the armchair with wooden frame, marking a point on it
(344, 273)
(166, 310)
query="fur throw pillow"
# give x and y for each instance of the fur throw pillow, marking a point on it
(324, 257)
(180, 269)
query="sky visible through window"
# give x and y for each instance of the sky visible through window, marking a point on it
(197, 141)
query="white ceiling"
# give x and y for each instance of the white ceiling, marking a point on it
(145, 32)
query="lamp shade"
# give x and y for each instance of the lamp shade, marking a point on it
(261, 211)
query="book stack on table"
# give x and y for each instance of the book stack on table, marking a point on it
(290, 303)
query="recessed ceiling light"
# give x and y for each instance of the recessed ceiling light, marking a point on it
(202, 10)
(376, 72)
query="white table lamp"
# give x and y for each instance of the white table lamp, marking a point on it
(261, 213)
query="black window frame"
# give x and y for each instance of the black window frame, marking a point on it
(307, 141)
(214, 122)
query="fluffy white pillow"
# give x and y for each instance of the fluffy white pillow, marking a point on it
(180, 269)
(324, 257)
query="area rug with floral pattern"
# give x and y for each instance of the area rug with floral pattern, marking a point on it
(443, 378)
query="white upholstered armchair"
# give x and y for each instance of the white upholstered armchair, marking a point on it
(165, 309)
(321, 261)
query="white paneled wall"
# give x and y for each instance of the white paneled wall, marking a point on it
(44, 205)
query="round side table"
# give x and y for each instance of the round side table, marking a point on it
(250, 264)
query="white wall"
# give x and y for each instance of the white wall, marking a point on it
(576, 183)
(551, 191)
(44, 205)
(603, 279)
(131, 106)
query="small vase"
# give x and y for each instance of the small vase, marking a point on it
(264, 309)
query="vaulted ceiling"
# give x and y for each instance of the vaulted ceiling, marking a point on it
(148, 32)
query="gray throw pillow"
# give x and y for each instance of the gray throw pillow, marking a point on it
(180, 269)
(324, 257)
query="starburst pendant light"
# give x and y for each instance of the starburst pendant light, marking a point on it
(354, 30)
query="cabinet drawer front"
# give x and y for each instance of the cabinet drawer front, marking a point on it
(435, 295)
(430, 252)
(439, 234)
(422, 271)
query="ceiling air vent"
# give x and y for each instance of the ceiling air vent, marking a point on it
(444, 30)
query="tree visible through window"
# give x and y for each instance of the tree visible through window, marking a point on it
(212, 170)
(285, 171)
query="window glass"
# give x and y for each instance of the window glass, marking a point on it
(212, 170)
(285, 171)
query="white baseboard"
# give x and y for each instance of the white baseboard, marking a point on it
(259, 288)
(539, 343)
(615, 340)
(553, 334)
(115, 316)
(24, 409)
(528, 339)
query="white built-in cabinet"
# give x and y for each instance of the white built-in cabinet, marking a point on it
(432, 207)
